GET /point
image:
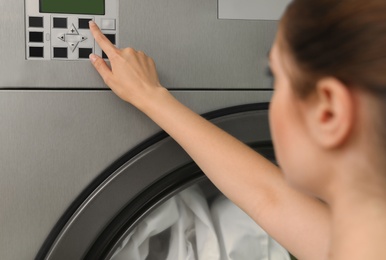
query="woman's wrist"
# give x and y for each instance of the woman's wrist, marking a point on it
(151, 98)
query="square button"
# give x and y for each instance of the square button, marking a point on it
(84, 23)
(84, 53)
(111, 38)
(108, 24)
(36, 22)
(60, 52)
(35, 36)
(104, 56)
(60, 22)
(36, 52)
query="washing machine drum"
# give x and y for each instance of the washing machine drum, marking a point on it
(155, 203)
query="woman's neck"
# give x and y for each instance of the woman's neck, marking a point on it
(358, 207)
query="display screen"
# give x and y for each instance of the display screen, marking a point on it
(94, 7)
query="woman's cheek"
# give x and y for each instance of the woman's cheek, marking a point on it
(284, 129)
(277, 125)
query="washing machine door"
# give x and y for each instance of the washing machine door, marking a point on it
(155, 203)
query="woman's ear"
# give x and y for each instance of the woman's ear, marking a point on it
(332, 117)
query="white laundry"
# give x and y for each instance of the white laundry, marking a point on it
(240, 237)
(193, 236)
(136, 245)
(186, 229)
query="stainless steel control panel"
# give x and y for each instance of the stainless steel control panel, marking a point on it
(59, 30)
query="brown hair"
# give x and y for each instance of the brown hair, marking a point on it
(345, 39)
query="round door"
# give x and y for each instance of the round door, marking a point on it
(155, 203)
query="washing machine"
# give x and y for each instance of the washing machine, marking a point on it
(80, 170)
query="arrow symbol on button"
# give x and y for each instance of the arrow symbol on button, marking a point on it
(73, 38)
(73, 30)
(73, 45)
(62, 37)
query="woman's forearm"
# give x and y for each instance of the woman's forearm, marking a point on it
(230, 164)
(247, 178)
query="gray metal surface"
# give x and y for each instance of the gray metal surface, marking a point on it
(192, 48)
(54, 143)
(251, 9)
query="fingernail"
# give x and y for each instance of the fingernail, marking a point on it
(91, 22)
(93, 57)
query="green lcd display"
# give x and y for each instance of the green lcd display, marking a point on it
(93, 7)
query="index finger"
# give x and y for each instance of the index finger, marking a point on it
(101, 39)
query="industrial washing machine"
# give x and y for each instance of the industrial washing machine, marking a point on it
(80, 170)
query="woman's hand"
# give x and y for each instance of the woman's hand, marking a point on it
(132, 76)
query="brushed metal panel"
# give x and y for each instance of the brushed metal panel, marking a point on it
(192, 48)
(54, 143)
(252, 9)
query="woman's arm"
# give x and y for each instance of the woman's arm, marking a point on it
(300, 223)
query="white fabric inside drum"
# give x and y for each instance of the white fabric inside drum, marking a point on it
(188, 227)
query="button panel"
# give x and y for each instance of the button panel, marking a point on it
(60, 53)
(111, 38)
(59, 36)
(35, 22)
(108, 24)
(36, 37)
(36, 52)
(84, 53)
(83, 23)
(73, 37)
(60, 22)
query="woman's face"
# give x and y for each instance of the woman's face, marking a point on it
(292, 142)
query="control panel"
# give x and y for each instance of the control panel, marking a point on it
(59, 30)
